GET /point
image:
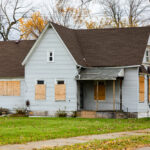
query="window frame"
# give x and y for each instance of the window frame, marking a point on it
(56, 83)
(14, 95)
(57, 80)
(48, 56)
(147, 55)
(40, 81)
(140, 100)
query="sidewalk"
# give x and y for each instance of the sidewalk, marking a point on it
(72, 140)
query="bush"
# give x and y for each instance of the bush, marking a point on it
(20, 112)
(4, 111)
(74, 114)
(61, 113)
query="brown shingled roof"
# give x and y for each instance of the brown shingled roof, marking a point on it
(11, 57)
(106, 47)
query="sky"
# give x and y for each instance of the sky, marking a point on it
(94, 7)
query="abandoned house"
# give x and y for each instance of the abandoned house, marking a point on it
(95, 72)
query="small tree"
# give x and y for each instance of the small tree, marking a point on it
(63, 12)
(113, 11)
(11, 11)
(32, 28)
(135, 12)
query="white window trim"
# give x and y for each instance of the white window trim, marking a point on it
(147, 58)
(35, 81)
(60, 80)
(48, 52)
(40, 80)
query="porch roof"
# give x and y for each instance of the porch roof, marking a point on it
(100, 74)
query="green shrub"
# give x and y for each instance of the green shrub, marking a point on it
(61, 113)
(4, 111)
(74, 114)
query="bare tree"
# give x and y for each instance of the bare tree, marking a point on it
(67, 14)
(113, 11)
(11, 12)
(135, 11)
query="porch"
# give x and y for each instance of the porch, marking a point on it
(100, 92)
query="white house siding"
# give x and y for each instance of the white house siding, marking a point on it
(130, 90)
(149, 41)
(64, 68)
(13, 102)
(143, 107)
(107, 104)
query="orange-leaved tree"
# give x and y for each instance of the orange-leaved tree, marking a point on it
(31, 28)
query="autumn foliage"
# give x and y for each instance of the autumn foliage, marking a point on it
(31, 28)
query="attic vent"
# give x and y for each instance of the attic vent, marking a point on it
(84, 59)
(18, 41)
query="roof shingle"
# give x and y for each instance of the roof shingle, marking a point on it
(11, 56)
(106, 47)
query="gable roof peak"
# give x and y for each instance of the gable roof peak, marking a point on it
(105, 47)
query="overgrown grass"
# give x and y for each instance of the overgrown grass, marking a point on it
(22, 130)
(115, 144)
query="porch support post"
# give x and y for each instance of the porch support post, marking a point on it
(120, 94)
(114, 94)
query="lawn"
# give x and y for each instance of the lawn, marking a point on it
(115, 144)
(22, 130)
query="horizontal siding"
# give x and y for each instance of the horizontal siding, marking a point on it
(63, 68)
(130, 89)
(144, 106)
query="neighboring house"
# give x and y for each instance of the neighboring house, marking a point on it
(92, 71)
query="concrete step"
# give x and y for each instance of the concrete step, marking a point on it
(87, 114)
(105, 114)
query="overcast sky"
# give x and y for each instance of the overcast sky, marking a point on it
(94, 8)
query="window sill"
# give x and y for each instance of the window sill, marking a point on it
(60, 100)
(142, 102)
(100, 100)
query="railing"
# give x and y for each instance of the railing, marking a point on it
(117, 106)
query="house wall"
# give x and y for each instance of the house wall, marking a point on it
(130, 90)
(13, 102)
(107, 104)
(144, 107)
(63, 68)
(130, 97)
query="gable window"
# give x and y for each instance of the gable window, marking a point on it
(9, 88)
(40, 90)
(141, 89)
(50, 56)
(149, 89)
(60, 90)
(99, 90)
(148, 55)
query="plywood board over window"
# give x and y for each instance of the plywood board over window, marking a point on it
(141, 88)
(149, 89)
(9, 88)
(60, 92)
(40, 92)
(99, 91)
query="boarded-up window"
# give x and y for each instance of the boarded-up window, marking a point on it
(9, 88)
(99, 91)
(141, 89)
(60, 91)
(40, 92)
